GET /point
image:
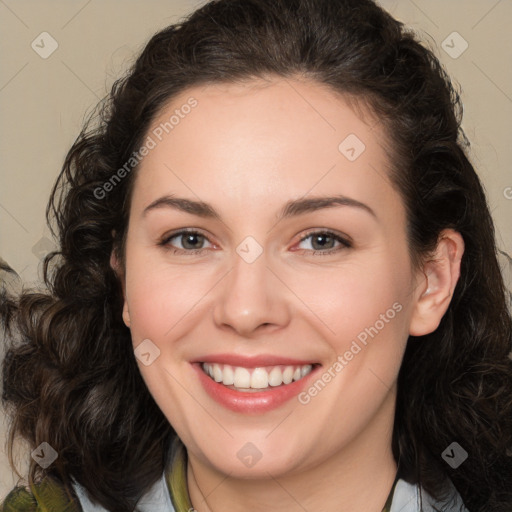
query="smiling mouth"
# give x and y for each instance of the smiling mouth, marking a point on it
(252, 380)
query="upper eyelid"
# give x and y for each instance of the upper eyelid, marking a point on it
(165, 238)
(335, 233)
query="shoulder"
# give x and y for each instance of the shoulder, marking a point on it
(52, 496)
(156, 499)
(49, 494)
(406, 498)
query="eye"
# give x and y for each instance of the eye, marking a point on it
(323, 242)
(189, 240)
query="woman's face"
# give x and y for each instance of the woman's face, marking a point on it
(275, 278)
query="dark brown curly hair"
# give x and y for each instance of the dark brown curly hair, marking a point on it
(62, 378)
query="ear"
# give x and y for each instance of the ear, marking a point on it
(437, 283)
(117, 268)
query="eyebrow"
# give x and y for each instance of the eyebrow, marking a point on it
(292, 208)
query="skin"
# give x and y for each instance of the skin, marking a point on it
(247, 149)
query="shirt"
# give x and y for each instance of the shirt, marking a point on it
(169, 494)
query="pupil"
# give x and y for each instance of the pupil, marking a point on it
(322, 237)
(190, 238)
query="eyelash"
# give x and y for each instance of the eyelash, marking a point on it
(345, 244)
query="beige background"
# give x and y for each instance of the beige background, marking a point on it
(43, 101)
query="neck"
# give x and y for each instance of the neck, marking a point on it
(356, 478)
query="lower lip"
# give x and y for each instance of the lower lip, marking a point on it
(251, 402)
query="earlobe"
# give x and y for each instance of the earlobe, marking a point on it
(436, 286)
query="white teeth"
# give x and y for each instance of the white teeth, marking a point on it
(229, 376)
(217, 373)
(255, 378)
(288, 375)
(242, 378)
(275, 377)
(305, 370)
(259, 378)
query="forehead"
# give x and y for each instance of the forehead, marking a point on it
(264, 139)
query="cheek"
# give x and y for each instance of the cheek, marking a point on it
(349, 301)
(162, 298)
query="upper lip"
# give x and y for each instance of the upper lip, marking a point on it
(252, 361)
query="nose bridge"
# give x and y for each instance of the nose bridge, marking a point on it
(250, 295)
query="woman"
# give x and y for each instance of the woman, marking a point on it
(337, 338)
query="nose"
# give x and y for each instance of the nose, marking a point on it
(252, 299)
